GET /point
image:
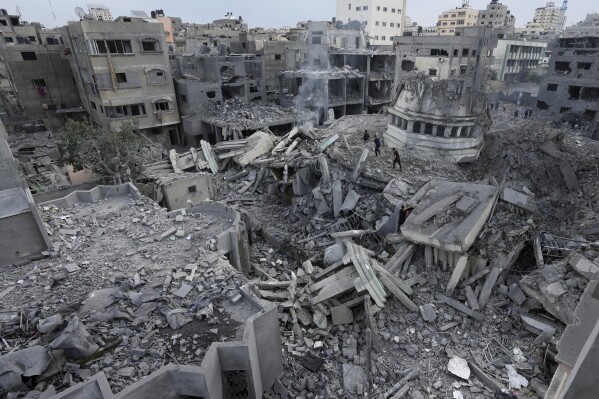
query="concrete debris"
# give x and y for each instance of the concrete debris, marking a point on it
(76, 342)
(459, 367)
(49, 324)
(516, 380)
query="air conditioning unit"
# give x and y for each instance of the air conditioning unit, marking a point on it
(441, 59)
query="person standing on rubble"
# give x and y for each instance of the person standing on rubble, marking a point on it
(377, 145)
(516, 114)
(402, 215)
(366, 137)
(396, 159)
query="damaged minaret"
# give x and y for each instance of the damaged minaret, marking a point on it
(440, 105)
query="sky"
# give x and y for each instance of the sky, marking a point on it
(269, 13)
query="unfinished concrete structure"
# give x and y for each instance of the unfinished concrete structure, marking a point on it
(339, 90)
(123, 75)
(39, 80)
(22, 233)
(378, 68)
(205, 81)
(571, 84)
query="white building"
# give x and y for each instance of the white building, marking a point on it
(99, 12)
(382, 19)
(550, 17)
(516, 59)
(461, 17)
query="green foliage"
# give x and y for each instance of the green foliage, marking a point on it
(113, 155)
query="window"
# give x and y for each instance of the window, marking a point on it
(160, 106)
(378, 8)
(383, 38)
(52, 40)
(584, 65)
(111, 46)
(93, 104)
(31, 38)
(349, 6)
(393, 10)
(150, 45)
(38, 82)
(384, 24)
(316, 40)
(465, 52)
(183, 98)
(125, 111)
(384, 9)
(392, 24)
(277, 57)
(365, 8)
(101, 109)
(192, 189)
(376, 38)
(28, 56)
(121, 77)
(552, 87)
(377, 23)
(432, 71)
(358, 8)
(8, 39)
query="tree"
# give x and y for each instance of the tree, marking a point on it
(113, 155)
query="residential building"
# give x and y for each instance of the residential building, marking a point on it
(460, 17)
(551, 18)
(37, 76)
(572, 81)
(98, 12)
(220, 31)
(588, 27)
(497, 16)
(461, 57)
(515, 60)
(382, 19)
(378, 68)
(123, 74)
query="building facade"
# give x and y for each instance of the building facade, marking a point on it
(588, 27)
(460, 17)
(515, 60)
(123, 74)
(37, 77)
(497, 16)
(382, 19)
(572, 81)
(551, 18)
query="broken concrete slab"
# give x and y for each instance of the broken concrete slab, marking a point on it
(569, 175)
(76, 342)
(516, 198)
(183, 290)
(427, 311)
(584, 266)
(459, 367)
(361, 165)
(354, 378)
(457, 274)
(341, 315)
(350, 202)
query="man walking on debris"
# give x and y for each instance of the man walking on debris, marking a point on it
(396, 159)
(366, 137)
(515, 113)
(402, 215)
(377, 145)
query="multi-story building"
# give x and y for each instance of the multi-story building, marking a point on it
(515, 60)
(460, 17)
(588, 27)
(220, 31)
(572, 81)
(382, 19)
(123, 74)
(98, 12)
(37, 77)
(550, 18)
(497, 16)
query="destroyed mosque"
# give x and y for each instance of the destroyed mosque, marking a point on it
(355, 208)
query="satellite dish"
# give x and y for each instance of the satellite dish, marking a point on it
(80, 12)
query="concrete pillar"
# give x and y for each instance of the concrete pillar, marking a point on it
(410, 127)
(435, 130)
(344, 94)
(280, 89)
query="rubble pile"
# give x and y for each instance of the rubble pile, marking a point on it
(125, 290)
(369, 305)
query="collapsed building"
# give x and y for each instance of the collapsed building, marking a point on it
(570, 87)
(439, 104)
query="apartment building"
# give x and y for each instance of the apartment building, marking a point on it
(550, 17)
(515, 60)
(460, 17)
(35, 73)
(123, 74)
(382, 19)
(572, 81)
(497, 16)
